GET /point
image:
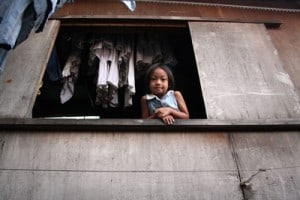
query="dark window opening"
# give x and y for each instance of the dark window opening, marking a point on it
(82, 103)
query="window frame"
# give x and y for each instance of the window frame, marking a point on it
(129, 26)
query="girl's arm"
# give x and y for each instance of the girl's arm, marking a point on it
(168, 119)
(145, 110)
(183, 112)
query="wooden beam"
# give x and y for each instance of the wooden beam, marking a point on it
(137, 19)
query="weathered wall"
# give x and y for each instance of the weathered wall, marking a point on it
(153, 165)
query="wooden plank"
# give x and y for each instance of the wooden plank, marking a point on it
(95, 165)
(271, 163)
(22, 75)
(116, 151)
(241, 74)
(64, 185)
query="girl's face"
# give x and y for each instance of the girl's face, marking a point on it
(159, 82)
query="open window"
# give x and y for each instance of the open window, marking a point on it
(84, 101)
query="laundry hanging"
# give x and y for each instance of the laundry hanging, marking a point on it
(115, 69)
(18, 18)
(70, 71)
(121, 62)
(116, 61)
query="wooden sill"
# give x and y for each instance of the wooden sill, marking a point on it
(142, 125)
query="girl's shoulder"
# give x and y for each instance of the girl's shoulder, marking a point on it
(177, 92)
(144, 97)
(173, 93)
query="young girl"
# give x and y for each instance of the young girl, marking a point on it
(161, 101)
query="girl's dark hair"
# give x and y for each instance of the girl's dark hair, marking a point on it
(163, 67)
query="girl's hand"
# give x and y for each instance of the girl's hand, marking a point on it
(163, 112)
(168, 119)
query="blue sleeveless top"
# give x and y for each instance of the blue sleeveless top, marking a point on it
(168, 100)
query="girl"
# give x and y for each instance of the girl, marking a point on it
(161, 101)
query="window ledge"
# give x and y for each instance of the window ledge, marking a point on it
(145, 125)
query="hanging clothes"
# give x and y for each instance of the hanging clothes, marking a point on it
(113, 79)
(27, 25)
(71, 69)
(42, 11)
(11, 21)
(104, 52)
(115, 69)
(124, 50)
(3, 58)
(70, 76)
(11, 13)
(121, 62)
(18, 18)
(130, 89)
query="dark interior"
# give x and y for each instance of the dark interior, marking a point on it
(82, 103)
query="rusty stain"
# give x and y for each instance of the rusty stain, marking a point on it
(8, 81)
